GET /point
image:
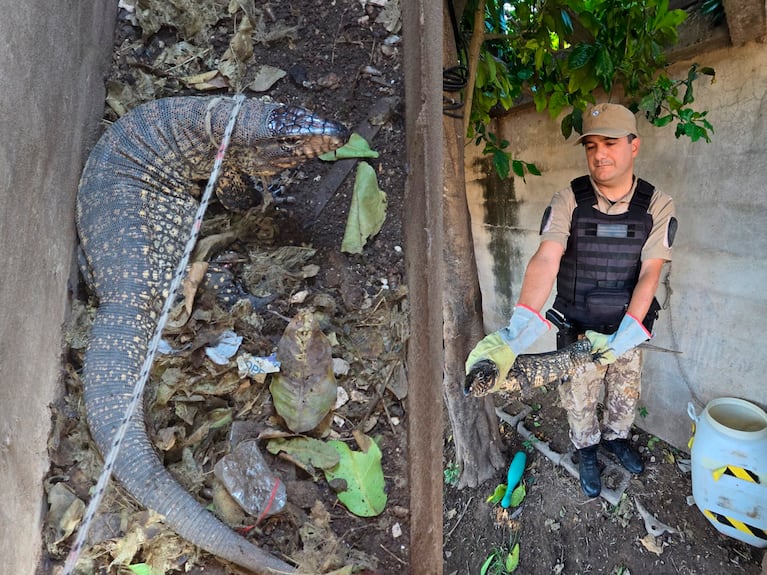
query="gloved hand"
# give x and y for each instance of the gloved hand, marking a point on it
(503, 346)
(630, 334)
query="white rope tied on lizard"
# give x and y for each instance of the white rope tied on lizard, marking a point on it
(154, 343)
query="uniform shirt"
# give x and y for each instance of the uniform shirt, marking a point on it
(657, 246)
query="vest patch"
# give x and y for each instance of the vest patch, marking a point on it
(545, 221)
(673, 224)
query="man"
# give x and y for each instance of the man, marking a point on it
(604, 240)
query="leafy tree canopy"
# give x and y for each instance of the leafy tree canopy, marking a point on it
(559, 52)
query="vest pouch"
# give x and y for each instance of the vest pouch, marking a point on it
(607, 305)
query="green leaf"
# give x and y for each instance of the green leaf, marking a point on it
(580, 56)
(497, 495)
(688, 97)
(519, 168)
(663, 121)
(533, 169)
(309, 451)
(567, 126)
(220, 417)
(486, 565)
(540, 100)
(364, 495)
(604, 67)
(557, 102)
(501, 163)
(518, 495)
(525, 74)
(566, 21)
(367, 211)
(356, 147)
(512, 559)
(142, 569)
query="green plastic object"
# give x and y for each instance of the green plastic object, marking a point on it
(516, 469)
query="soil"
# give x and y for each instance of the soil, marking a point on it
(343, 59)
(561, 531)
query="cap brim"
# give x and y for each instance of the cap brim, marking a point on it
(607, 133)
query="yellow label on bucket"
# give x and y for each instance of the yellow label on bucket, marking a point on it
(738, 472)
(734, 523)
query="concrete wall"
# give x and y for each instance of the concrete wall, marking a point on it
(52, 58)
(718, 307)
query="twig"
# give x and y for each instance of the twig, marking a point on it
(477, 37)
(393, 555)
(465, 509)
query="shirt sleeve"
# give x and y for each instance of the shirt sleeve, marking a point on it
(658, 244)
(558, 217)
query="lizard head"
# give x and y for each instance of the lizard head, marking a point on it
(294, 136)
(481, 379)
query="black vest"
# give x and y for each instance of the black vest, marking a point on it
(601, 264)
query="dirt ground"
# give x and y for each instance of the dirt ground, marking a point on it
(561, 531)
(343, 60)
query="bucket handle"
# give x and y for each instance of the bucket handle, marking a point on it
(691, 412)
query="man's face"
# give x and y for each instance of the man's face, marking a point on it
(610, 160)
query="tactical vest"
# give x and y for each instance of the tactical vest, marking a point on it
(601, 264)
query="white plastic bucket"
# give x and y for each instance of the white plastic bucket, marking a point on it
(729, 467)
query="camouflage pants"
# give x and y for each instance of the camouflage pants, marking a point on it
(580, 396)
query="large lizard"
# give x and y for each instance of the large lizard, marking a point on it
(136, 202)
(531, 370)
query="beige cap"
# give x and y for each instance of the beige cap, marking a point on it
(609, 120)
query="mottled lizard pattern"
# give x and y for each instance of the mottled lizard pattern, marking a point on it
(137, 199)
(530, 370)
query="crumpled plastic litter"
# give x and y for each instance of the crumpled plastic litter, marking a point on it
(226, 346)
(246, 476)
(249, 365)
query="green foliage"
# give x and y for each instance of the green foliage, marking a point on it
(502, 161)
(364, 495)
(558, 52)
(529, 444)
(502, 560)
(517, 496)
(452, 473)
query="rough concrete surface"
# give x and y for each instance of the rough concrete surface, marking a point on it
(425, 275)
(51, 60)
(718, 303)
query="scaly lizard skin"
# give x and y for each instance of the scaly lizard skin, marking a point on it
(530, 370)
(135, 206)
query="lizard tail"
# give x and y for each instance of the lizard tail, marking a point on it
(117, 350)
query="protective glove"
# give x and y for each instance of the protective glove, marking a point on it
(503, 346)
(630, 334)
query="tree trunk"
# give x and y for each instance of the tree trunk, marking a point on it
(473, 421)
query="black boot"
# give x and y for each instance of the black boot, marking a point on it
(628, 458)
(589, 471)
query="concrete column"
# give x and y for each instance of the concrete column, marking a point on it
(52, 59)
(422, 40)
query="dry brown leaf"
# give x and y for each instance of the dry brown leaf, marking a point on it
(65, 511)
(210, 80)
(266, 77)
(651, 544)
(192, 281)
